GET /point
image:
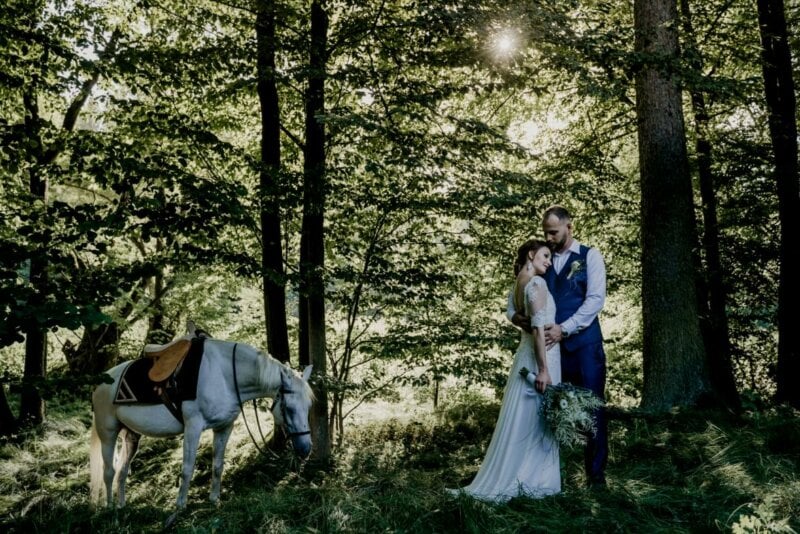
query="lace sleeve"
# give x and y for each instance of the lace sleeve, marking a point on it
(536, 295)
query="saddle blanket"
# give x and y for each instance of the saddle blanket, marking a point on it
(135, 387)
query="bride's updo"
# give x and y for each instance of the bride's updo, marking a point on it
(531, 245)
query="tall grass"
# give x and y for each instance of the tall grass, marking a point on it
(682, 472)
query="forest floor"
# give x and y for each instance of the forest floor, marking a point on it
(687, 471)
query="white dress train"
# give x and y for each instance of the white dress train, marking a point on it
(522, 458)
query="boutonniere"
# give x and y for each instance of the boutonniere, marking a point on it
(576, 267)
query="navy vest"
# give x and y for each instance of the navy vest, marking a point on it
(569, 291)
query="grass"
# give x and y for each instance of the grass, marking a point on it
(682, 472)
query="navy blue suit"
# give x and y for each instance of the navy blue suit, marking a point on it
(583, 360)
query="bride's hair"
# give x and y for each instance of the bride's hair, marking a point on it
(522, 253)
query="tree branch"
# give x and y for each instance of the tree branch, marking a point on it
(373, 391)
(75, 107)
(294, 138)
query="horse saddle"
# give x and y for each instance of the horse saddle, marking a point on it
(166, 375)
(166, 358)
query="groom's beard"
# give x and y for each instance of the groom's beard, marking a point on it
(558, 246)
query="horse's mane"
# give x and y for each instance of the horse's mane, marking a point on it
(269, 373)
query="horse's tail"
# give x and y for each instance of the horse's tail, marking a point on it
(96, 483)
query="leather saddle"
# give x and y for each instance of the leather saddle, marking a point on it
(166, 358)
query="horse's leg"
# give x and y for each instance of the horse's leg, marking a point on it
(220, 442)
(130, 444)
(101, 456)
(108, 443)
(191, 440)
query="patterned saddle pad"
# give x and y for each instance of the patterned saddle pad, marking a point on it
(135, 387)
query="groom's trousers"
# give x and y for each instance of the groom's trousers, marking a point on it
(586, 366)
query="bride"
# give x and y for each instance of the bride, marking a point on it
(522, 459)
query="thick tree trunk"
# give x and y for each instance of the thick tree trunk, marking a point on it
(274, 276)
(32, 405)
(313, 253)
(712, 292)
(674, 359)
(779, 90)
(303, 357)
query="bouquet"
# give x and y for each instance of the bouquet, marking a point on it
(568, 411)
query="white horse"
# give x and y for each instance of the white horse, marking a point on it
(230, 374)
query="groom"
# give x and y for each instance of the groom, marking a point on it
(577, 281)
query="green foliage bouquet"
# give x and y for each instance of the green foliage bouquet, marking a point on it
(568, 411)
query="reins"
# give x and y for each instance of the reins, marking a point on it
(255, 411)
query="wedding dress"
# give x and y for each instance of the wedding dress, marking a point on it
(522, 458)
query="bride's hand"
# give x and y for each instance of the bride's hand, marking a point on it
(542, 380)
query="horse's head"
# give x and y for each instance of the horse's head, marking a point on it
(291, 407)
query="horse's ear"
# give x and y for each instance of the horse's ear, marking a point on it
(307, 372)
(191, 328)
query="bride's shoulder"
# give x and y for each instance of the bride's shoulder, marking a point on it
(534, 283)
(522, 279)
(538, 281)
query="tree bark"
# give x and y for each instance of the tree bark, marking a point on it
(712, 294)
(779, 90)
(674, 370)
(97, 351)
(32, 406)
(158, 331)
(303, 358)
(273, 274)
(312, 261)
(8, 424)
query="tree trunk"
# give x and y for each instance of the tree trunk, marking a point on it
(32, 407)
(779, 90)
(8, 424)
(158, 331)
(303, 357)
(312, 263)
(97, 351)
(273, 274)
(712, 293)
(674, 370)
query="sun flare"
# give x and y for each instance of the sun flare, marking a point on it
(505, 43)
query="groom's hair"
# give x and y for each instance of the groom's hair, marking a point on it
(559, 211)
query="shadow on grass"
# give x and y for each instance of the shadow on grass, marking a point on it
(689, 471)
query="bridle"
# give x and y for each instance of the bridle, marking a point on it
(282, 391)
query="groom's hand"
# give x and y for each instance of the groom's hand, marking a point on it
(523, 321)
(552, 334)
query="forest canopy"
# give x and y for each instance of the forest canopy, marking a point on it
(372, 168)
